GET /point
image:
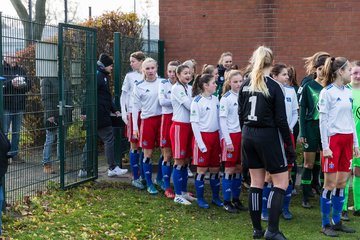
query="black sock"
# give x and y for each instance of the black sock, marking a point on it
(306, 183)
(255, 204)
(275, 204)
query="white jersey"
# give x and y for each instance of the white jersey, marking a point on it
(335, 107)
(291, 106)
(205, 112)
(130, 80)
(181, 102)
(146, 99)
(165, 96)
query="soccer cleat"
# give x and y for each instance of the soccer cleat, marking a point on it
(230, 208)
(152, 190)
(116, 172)
(258, 234)
(342, 228)
(356, 213)
(160, 183)
(169, 193)
(274, 236)
(82, 173)
(328, 231)
(188, 196)
(287, 215)
(265, 216)
(306, 204)
(345, 216)
(239, 206)
(181, 200)
(138, 184)
(217, 202)
(202, 203)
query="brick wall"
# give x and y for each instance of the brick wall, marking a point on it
(203, 29)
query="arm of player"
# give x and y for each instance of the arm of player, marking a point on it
(323, 123)
(123, 98)
(198, 138)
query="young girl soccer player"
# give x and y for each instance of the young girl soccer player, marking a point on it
(146, 100)
(338, 138)
(224, 64)
(231, 142)
(264, 133)
(180, 133)
(126, 100)
(166, 121)
(204, 120)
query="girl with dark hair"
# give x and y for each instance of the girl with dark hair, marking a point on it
(231, 142)
(264, 132)
(338, 139)
(204, 120)
(180, 133)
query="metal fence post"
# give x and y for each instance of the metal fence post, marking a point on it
(161, 58)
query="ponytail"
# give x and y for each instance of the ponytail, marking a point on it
(331, 69)
(261, 59)
(198, 85)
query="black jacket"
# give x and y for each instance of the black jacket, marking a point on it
(14, 97)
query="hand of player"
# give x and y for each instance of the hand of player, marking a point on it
(203, 149)
(136, 134)
(125, 118)
(229, 147)
(118, 114)
(356, 152)
(302, 140)
(327, 153)
(290, 154)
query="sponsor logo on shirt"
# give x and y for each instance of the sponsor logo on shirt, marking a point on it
(222, 108)
(193, 113)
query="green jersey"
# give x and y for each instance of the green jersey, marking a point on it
(356, 107)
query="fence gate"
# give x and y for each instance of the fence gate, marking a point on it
(77, 98)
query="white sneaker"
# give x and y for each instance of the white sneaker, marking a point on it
(190, 174)
(117, 172)
(188, 197)
(180, 199)
(82, 173)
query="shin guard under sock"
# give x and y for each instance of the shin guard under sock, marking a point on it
(275, 204)
(255, 197)
(337, 200)
(166, 172)
(325, 206)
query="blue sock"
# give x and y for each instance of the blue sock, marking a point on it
(184, 175)
(337, 200)
(199, 186)
(134, 163)
(159, 176)
(166, 172)
(325, 206)
(148, 171)
(265, 196)
(236, 186)
(215, 185)
(142, 174)
(177, 179)
(287, 197)
(227, 183)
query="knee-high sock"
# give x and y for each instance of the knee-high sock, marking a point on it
(306, 183)
(356, 191)
(316, 171)
(159, 175)
(148, 171)
(227, 183)
(265, 195)
(287, 197)
(142, 173)
(134, 163)
(184, 175)
(199, 186)
(166, 172)
(346, 195)
(177, 179)
(236, 186)
(325, 206)
(337, 200)
(275, 204)
(215, 185)
(294, 174)
(255, 196)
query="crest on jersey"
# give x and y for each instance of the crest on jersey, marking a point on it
(207, 109)
(229, 155)
(331, 165)
(163, 141)
(288, 99)
(182, 152)
(201, 160)
(145, 143)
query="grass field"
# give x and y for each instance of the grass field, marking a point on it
(115, 210)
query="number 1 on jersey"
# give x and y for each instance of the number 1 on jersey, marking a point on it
(252, 116)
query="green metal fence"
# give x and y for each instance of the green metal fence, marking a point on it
(123, 47)
(56, 77)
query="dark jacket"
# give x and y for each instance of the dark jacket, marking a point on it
(105, 103)
(49, 89)
(220, 81)
(14, 97)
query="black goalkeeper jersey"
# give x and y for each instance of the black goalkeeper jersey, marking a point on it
(258, 111)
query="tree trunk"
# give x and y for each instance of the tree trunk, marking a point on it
(32, 30)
